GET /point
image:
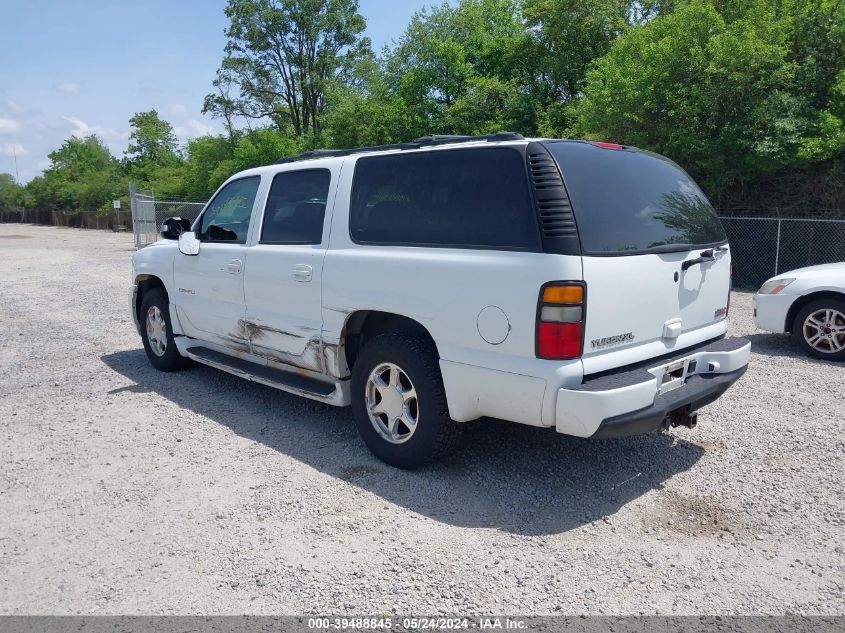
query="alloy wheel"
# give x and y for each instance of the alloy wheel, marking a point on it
(391, 401)
(156, 331)
(824, 330)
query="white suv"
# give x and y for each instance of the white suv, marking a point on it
(577, 285)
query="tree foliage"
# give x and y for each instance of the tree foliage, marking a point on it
(11, 193)
(82, 175)
(748, 95)
(730, 90)
(151, 140)
(282, 55)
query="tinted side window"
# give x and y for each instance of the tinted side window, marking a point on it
(227, 217)
(296, 207)
(459, 198)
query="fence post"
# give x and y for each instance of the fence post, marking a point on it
(133, 211)
(777, 245)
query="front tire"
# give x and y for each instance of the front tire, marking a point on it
(399, 403)
(819, 329)
(157, 332)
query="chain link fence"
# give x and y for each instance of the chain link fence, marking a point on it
(148, 214)
(765, 246)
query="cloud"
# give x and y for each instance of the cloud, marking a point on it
(14, 108)
(178, 108)
(10, 149)
(81, 128)
(7, 126)
(69, 87)
(192, 128)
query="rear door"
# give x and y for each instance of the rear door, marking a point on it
(654, 254)
(282, 287)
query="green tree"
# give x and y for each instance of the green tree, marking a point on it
(711, 93)
(151, 140)
(282, 55)
(83, 175)
(368, 112)
(444, 54)
(10, 193)
(569, 35)
(818, 50)
(263, 146)
(566, 37)
(209, 163)
(490, 105)
(153, 160)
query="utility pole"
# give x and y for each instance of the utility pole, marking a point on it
(17, 174)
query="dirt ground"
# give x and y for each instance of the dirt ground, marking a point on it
(127, 491)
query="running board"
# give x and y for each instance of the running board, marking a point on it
(330, 393)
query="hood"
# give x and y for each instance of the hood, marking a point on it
(824, 270)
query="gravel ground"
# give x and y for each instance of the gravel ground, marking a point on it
(128, 491)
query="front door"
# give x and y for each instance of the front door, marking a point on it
(282, 288)
(210, 285)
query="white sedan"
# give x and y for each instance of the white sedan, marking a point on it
(809, 303)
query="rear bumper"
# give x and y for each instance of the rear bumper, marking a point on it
(640, 400)
(696, 392)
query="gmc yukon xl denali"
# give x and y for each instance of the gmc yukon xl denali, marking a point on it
(580, 286)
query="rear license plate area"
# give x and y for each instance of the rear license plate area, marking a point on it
(673, 375)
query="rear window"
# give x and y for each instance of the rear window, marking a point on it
(628, 202)
(475, 198)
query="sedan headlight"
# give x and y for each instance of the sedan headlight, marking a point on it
(774, 286)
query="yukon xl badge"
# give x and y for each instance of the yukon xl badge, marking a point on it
(598, 343)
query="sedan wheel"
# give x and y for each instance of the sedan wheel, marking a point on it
(824, 331)
(819, 328)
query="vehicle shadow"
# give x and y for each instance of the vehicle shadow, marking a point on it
(783, 345)
(506, 476)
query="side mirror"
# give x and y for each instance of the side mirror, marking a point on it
(189, 244)
(172, 228)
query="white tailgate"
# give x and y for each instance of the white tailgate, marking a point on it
(637, 310)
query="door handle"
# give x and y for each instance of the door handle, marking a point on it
(233, 266)
(302, 272)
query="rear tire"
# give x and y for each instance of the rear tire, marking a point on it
(819, 329)
(399, 403)
(157, 332)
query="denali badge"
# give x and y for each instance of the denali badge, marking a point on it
(612, 340)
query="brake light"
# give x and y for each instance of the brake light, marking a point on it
(560, 321)
(606, 145)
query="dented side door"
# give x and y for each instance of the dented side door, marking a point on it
(283, 282)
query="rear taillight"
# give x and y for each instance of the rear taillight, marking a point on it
(560, 321)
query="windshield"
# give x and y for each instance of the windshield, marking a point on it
(628, 201)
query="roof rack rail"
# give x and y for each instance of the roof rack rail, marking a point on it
(423, 141)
